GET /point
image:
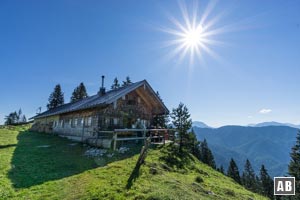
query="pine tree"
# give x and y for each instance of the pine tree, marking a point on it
(206, 155)
(182, 122)
(79, 93)
(24, 119)
(19, 115)
(127, 81)
(257, 187)
(15, 118)
(221, 169)
(233, 171)
(192, 144)
(266, 183)
(56, 98)
(161, 121)
(294, 165)
(11, 119)
(248, 177)
(116, 84)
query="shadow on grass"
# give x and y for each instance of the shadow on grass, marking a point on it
(136, 171)
(7, 146)
(41, 157)
(134, 175)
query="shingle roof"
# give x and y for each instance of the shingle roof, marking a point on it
(97, 100)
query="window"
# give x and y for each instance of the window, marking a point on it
(62, 123)
(111, 121)
(116, 120)
(70, 122)
(75, 123)
(107, 121)
(131, 102)
(89, 121)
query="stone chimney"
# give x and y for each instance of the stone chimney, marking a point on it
(102, 88)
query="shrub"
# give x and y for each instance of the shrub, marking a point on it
(199, 179)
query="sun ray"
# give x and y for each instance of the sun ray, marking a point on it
(210, 6)
(185, 14)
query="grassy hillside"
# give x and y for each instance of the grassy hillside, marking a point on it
(40, 166)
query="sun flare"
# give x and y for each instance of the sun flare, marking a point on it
(193, 35)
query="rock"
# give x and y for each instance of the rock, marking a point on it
(153, 170)
(110, 155)
(123, 150)
(72, 144)
(95, 152)
(43, 146)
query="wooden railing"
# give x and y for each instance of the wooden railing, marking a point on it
(131, 134)
(117, 135)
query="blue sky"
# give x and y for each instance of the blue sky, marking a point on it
(255, 77)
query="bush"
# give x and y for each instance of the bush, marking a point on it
(199, 179)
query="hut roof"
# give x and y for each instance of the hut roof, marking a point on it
(102, 100)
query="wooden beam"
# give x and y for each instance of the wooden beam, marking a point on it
(140, 93)
(115, 140)
(137, 130)
(130, 138)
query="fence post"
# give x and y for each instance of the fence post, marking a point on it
(144, 136)
(115, 140)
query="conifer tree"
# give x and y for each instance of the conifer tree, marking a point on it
(24, 118)
(116, 84)
(221, 169)
(294, 165)
(266, 183)
(192, 144)
(161, 121)
(12, 118)
(15, 118)
(19, 115)
(257, 187)
(233, 171)
(127, 81)
(182, 122)
(206, 155)
(56, 98)
(248, 177)
(79, 93)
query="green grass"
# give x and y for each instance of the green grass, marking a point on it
(61, 171)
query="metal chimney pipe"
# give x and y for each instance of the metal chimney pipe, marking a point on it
(102, 81)
(102, 88)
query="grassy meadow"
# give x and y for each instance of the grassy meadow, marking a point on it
(42, 166)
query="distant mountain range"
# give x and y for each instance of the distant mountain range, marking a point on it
(274, 124)
(265, 143)
(200, 124)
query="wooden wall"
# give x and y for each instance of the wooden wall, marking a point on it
(130, 111)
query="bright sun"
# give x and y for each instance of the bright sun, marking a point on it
(193, 35)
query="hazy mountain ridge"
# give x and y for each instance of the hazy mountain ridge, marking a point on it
(273, 123)
(269, 145)
(200, 124)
